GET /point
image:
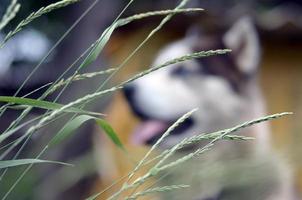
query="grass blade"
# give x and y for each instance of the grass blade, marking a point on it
(69, 129)
(110, 132)
(100, 44)
(41, 104)
(74, 124)
(14, 163)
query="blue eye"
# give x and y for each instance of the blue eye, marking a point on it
(181, 71)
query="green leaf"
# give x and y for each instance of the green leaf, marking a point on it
(110, 132)
(74, 124)
(99, 46)
(13, 163)
(41, 104)
(69, 129)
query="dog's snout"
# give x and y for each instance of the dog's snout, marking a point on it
(129, 91)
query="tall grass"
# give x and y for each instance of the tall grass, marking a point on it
(55, 111)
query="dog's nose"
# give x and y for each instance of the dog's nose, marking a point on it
(129, 91)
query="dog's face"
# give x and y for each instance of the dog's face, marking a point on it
(216, 85)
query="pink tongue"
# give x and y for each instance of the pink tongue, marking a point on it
(148, 130)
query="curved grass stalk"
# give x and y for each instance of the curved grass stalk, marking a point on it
(10, 13)
(127, 20)
(35, 15)
(78, 77)
(200, 137)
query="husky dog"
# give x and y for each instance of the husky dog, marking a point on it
(226, 91)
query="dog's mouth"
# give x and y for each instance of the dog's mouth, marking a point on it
(150, 130)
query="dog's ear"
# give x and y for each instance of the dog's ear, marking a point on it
(243, 39)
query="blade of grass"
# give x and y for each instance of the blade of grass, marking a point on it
(42, 104)
(110, 132)
(14, 163)
(21, 175)
(74, 124)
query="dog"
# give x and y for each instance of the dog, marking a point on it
(226, 92)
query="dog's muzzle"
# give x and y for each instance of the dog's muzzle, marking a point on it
(150, 129)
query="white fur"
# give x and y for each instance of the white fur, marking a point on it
(159, 91)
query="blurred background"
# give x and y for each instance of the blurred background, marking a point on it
(278, 22)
